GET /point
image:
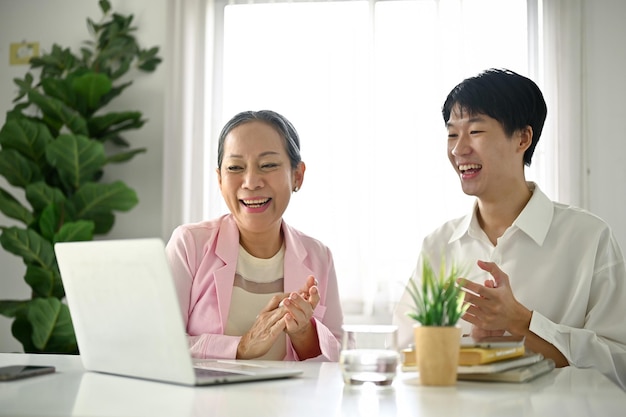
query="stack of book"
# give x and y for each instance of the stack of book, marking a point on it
(503, 359)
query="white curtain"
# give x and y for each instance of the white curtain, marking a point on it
(194, 113)
(189, 28)
(561, 75)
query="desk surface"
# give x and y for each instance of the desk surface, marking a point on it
(319, 392)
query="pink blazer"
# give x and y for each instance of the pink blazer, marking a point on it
(203, 259)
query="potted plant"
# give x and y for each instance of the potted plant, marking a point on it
(437, 308)
(54, 147)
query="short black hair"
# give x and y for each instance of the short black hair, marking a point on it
(276, 121)
(512, 99)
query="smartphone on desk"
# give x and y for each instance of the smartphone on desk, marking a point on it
(492, 342)
(10, 373)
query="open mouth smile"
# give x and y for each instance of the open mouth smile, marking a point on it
(469, 168)
(255, 203)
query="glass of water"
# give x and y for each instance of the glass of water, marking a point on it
(369, 353)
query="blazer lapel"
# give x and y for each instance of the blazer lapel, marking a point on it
(227, 249)
(296, 272)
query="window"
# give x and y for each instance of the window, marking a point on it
(363, 82)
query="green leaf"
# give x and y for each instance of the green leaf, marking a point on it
(93, 28)
(115, 91)
(125, 156)
(114, 123)
(59, 89)
(13, 209)
(22, 331)
(91, 87)
(439, 300)
(18, 170)
(11, 308)
(49, 221)
(41, 280)
(40, 195)
(92, 199)
(27, 137)
(81, 230)
(122, 68)
(56, 110)
(77, 158)
(28, 244)
(105, 6)
(150, 65)
(103, 223)
(24, 86)
(52, 326)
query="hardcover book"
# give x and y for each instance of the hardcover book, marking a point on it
(477, 356)
(527, 359)
(520, 374)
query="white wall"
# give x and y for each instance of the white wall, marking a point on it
(605, 88)
(64, 22)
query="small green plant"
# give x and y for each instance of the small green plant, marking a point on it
(439, 302)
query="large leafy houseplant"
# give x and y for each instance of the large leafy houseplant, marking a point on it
(54, 146)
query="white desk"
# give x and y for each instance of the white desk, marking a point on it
(319, 392)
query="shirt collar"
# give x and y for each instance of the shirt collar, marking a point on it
(536, 217)
(534, 220)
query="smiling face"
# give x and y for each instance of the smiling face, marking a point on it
(489, 163)
(256, 178)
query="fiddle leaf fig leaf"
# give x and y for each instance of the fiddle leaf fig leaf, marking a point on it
(52, 325)
(11, 308)
(80, 230)
(49, 221)
(41, 280)
(59, 89)
(76, 158)
(24, 86)
(27, 137)
(125, 156)
(103, 222)
(18, 170)
(91, 87)
(29, 245)
(93, 199)
(22, 330)
(105, 6)
(56, 110)
(113, 123)
(12, 208)
(40, 195)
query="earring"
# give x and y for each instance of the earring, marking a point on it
(295, 190)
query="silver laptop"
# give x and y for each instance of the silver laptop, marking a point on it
(127, 319)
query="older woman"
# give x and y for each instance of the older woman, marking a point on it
(250, 286)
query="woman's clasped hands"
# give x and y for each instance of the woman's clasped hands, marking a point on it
(290, 313)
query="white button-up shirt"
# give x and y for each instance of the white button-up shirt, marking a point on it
(563, 263)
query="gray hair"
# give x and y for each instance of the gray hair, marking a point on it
(275, 120)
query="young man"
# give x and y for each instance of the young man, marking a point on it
(550, 272)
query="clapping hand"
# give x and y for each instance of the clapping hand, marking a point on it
(290, 312)
(493, 308)
(299, 307)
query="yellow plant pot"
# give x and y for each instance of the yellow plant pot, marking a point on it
(437, 351)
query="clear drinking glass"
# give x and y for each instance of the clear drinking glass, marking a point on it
(369, 353)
